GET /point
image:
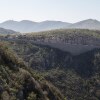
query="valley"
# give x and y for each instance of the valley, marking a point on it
(75, 73)
(49, 49)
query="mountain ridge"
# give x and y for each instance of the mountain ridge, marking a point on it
(7, 31)
(26, 26)
(87, 24)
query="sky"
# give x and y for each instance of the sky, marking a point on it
(40, 10)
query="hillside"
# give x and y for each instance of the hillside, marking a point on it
(75, 41)
(78, 77)
(19, 82)
(6, 31)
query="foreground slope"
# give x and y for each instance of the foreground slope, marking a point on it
(78, 77)
(18, 82)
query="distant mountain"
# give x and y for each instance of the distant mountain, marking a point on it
(7, 31)
(30, 26)
(22, 26)
(87, 24)
(26, 26)
(48, 25)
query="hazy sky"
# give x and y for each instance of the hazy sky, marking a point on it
(40, 10)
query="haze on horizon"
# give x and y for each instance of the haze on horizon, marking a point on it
(40, 10)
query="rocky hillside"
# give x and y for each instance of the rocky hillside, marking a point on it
(78, 77)
(72, 36)
(75, 41)
(19, 82)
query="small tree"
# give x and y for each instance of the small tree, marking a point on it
(32, 96)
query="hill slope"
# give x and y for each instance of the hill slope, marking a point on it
(78, 77)
(18, 82)
(6, 31)
(75, 41)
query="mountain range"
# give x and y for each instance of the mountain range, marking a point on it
(26, 26)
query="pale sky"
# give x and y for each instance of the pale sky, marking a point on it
(40, 10)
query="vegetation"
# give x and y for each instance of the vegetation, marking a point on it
(68, 32)
(73, 36)
(78, 77)
(18, 82)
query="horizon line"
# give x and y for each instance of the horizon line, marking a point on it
(48, 20)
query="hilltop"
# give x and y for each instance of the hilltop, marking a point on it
(87, 24)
